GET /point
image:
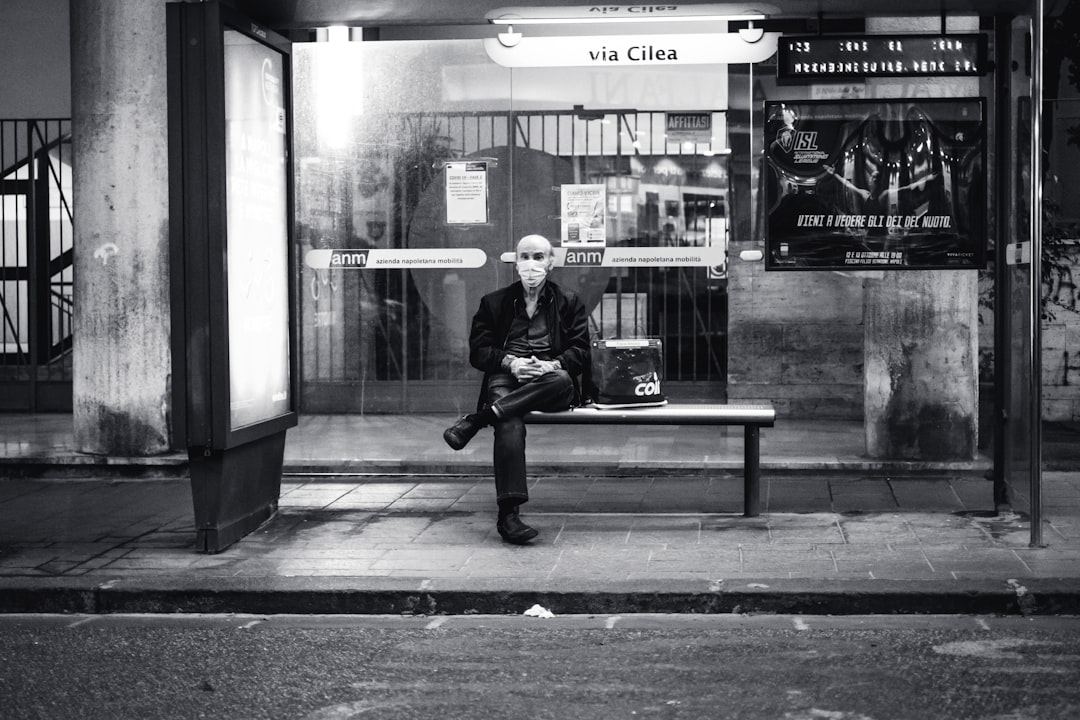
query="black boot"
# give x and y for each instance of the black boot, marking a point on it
(460, 433)
(512, 529)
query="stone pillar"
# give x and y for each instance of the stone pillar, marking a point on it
(921, 360)
(921, 327)
(122, 360)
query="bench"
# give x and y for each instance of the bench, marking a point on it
(751, 417)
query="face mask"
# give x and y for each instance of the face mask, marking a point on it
(532, 272)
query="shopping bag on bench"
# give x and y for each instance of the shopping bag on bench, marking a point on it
(627, 372)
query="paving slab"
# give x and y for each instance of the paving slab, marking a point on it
(638, 532)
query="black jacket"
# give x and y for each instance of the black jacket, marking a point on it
(568, 323)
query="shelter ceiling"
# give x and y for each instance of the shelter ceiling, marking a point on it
(309, 14)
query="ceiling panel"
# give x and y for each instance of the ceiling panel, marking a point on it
(309, 14)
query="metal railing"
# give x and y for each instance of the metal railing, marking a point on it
(36, 264)
(388, 340)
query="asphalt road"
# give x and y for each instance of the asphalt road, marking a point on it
(638, 666)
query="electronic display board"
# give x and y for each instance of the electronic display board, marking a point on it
(875, 184)
(821, 57)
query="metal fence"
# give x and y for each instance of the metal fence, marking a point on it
(36, 265)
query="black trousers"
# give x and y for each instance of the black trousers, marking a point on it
(510, 400)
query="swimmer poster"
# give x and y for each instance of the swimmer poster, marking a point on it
(875, 184)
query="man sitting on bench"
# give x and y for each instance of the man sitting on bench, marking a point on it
(531, 341)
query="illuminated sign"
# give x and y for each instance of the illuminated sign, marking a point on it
(821, 57)
(257, 176)
(630, 50)
(383, 258)
(628, 13)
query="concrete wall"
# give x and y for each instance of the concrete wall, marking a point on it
(35, 81)
(122, 354)
(1061, 333)
(796, 339)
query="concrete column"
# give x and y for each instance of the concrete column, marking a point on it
(921, 329)
(921, 360)
(122, 359)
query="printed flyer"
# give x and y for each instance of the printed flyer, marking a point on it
(875, 184)
(584, 220)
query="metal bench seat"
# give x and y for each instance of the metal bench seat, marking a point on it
(751, 417)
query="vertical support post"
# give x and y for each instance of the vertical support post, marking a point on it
(752, 471)
(1035, 215)
(1003, 320)
(119, 117)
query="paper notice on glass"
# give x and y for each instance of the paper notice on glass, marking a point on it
(466, 193)
(584, 215)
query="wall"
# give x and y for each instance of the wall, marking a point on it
(1061, 330)
(796, 339)
(36, 77)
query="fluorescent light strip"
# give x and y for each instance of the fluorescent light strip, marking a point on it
(510, 20)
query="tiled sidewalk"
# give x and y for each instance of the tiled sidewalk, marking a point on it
(382, 519)
(594, 529)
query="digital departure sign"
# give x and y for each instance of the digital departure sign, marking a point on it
(823, 57)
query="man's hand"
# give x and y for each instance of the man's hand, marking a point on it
(526, 369)
(521, 369)
(545, 366)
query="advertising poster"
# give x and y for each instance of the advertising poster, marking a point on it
(584, 222)
(258, 219)
(875, 184)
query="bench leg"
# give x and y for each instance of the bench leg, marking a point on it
(752, 471)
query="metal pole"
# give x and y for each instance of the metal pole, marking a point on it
(1005, 146)
(752, 471)
(1035, 348)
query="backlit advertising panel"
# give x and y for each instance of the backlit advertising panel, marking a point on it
(875, 184)
(256, 176)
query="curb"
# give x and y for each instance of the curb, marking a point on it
(173, 467)
(411, 596)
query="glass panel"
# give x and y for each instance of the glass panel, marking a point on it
(386, 338)
(375, 124)
(1017, 455)
(659, 194)
(377, 121)
(890, 354)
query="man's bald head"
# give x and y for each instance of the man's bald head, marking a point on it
(535, 247)
(534, 243)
